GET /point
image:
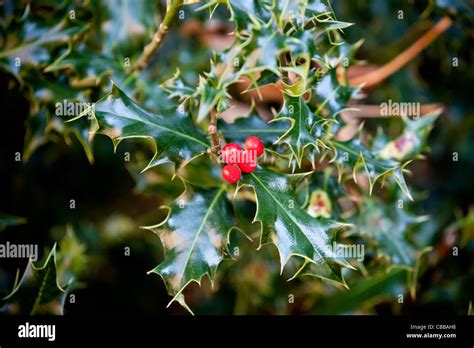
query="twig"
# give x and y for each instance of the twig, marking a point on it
(212, 130)
(399, 61)
(151, 48)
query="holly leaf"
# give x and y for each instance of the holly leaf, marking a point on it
(195, 235)
(331, 96)
(386, 158)
(317, 7)
(126, 23)
(358, 157)
(38, 291)
(36, 42)
(289, 227)
(177, 87)
(389, 225)
(87, 64)
(175, 137)
(71, 260)
(211, 91)
(301, 133)
(44, 128)
(330, 271)
(248, 13)
(266, 45)
(364, 294)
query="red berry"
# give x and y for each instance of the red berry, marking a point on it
(254, 143)
(231, 153)
(231, 173)
(248, 166)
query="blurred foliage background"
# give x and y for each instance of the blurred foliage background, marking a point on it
(112, 199)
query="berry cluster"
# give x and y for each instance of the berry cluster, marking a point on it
(238, 159)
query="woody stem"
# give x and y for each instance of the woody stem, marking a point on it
(157, 39)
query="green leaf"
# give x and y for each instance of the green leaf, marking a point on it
(211, 92)
(332, 97)
(246, 13)
(389, 226)
(44, 128)
(175, 136)
(364, 293)
(34, 49)
(127, 23)
(358, 156)
(289, 227)
(87, 64)
(267, 46)
(38, 291)
(330, 271)
(192, 173)
(195, 235)
(301, 134)
(71, 260)
(386, 158)
(177, 87)
(318, 7)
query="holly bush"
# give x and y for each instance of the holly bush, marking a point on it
(185, 90)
